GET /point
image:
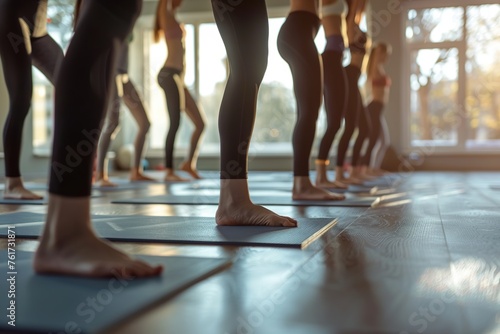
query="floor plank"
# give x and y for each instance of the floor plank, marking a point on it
(424, 261)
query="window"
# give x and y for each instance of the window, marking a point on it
(276, 109)
(452, 55)
(60, 21)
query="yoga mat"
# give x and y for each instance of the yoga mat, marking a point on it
(357, 189)
(279, 186)
(27, 217)
(258, 185)
(125, 185)
(43, 201)
(198, 199)
(33, 186)
(6, 201)
(184, 230)
(64, 304)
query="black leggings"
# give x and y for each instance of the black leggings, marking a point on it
(351, 114)
(335, 93)
(46, 55)
(364, 131)
(296, 46)
(170, 81)
(375, 113)
(244, 28)
(83, 90)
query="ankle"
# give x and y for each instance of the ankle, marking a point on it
(301, 183)
(13, 182)
(67, 219)
(234, 192)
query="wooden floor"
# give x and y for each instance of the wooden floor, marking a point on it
(425, 261)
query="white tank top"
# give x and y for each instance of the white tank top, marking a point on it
(339, 8)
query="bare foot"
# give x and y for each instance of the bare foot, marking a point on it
(331, 185)
(68, 245)
(14, 189)
(359, 173)
(172, 177)
(138, 177)
(105, 183)
(377, 172)
(353, 181)
(303, 189)
(236, 208)
(322, 178)
(87, 255)
(186, 167)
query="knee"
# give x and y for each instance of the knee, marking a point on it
(199, 127)
(111, 126)
(144, 127)
(20, 107)
(333, 125)
(174, 125)
(260, 68)
(253, 68)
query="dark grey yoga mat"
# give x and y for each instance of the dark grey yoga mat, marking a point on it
(60, 304)
(43, 201)
(6, 201)
(33, 186)
(257, 185)
(122, 185)
(200, 199)
(183, 230)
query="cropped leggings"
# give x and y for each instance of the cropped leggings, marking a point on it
(351, 114)
(46, 55)
(335, 93)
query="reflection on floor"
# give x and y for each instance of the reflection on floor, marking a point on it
(425, 260)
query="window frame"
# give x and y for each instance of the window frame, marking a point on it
(197, 19)
(461, 46)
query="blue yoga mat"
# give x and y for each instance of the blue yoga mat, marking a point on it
(63, 304)
(259, 185)
(201, 199)
(6, 201)
(181, 230)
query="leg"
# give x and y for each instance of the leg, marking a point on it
(171, 83)
(364, 130)
(134, 104)
(244, 30)
(111, 128)
(68, 244)
(351, 120)
(47, 56)
(335, 94)
(374, 112)
(384, 143)
(296, 46)
(198, 118)
(17, 74)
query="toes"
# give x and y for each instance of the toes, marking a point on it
(148, 270)
(289, 222)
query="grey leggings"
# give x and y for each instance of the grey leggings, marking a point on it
(111, 126)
